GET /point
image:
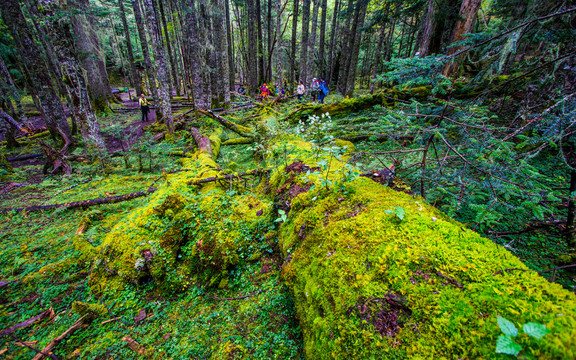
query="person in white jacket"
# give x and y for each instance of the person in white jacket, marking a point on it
(300, 90)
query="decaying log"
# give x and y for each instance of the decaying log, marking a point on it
(81, 323)
(230, 177)
(134, 346)
(85, 203)
(24, 157)
(47, 313)
(238, 129)
(202, 141)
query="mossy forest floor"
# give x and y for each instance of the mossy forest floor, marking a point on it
(245, 311)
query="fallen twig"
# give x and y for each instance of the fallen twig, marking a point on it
(24, 324)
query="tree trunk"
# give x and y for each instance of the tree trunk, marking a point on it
(252, 48)
(231, 70)
(13, 94)
(135, 74)
(468, 14)
(321, 47)
(345, 50)
(331, 52)
(310, 68)
(196, 61)
(145, 50)
(427, 30)
(260, 43)
(76, 83)
(278, 45)
(304, 45)
(293, 45)
(50, 104)
(377, 57)
(221, 45)
(355, 47)
(91, 56)
(173, 66)
(163, 105)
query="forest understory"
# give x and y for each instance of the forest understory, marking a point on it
(314, 179)
(193, 269)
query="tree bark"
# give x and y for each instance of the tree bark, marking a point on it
(173, 66)
(468, 14)
(163, 105)
(252, 49)
(151, 74)
(310, 68)
(293, 45)
(331, 52)
(377, 57)
(50, 103)
(135, 74)
(260, 44)
(304, 45)
(91, 56)
(231, 70)
(321, 47)
(355, 47)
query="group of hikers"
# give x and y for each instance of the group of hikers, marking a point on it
(318, 90)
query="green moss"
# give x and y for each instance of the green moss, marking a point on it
(91, 310)
(366, 282)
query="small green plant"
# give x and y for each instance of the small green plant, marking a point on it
(505, 343)
(398, 211)
(282, 216)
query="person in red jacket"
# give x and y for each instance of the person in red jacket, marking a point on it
(264, 92)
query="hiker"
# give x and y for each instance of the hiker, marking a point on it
(323, 90)
(300, 90)
(242, 90)
(144, 106)
(314, 89)
(264, 92)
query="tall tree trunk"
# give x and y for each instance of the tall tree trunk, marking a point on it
(12, 94)
(278, 45)
(304, 45)
(252, 49)
(221, 45)
(163, 105)
(91, 56)
(173, 66)
(196, 62)
(331, 52)
(355, 47)
(293, 45)
(377, 57)
(270, 38)
(468, 14)
(135, 74)
(75, 81)
(321, 60)
(50, 104)
(310, 68)
(145, 50)
(260, 44)
(345, 50)
(231, 70)
(427, 30)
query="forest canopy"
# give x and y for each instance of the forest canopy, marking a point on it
(295, 179)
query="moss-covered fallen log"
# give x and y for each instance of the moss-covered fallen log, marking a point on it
(380, 274)
(375, 273)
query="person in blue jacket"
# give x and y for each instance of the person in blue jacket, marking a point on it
(323, 90)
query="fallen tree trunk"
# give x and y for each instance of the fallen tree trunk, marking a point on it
(84, 203)
(24, 157)
(238, 129)
(47, 313)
